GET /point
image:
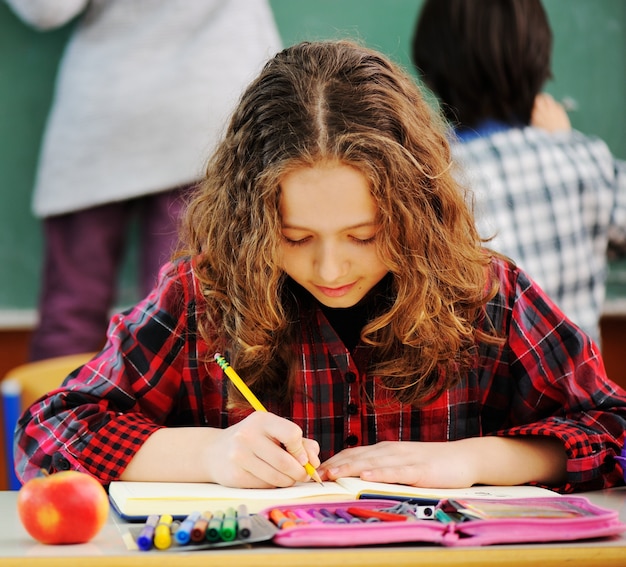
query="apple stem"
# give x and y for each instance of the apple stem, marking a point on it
(44, 472)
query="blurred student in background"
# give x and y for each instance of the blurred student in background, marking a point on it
(549, 195)
(143, 90)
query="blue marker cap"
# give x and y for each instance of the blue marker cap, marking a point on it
(183, 533)
(146, 537)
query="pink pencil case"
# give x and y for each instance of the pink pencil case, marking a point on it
(588, 521)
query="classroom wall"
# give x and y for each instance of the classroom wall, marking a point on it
(589, 70)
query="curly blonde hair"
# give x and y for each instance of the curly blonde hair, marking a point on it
(341, 102)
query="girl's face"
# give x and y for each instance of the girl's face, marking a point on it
(329, 231)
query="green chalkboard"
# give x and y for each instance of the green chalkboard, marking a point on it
(28, 62)
(589, 67)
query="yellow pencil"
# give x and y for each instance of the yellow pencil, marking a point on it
(254, 402)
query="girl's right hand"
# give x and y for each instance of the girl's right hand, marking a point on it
(261, 451)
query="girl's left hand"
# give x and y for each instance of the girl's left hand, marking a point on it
(454, 464)
(428, 465)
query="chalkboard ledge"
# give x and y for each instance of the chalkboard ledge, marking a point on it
(18, 319)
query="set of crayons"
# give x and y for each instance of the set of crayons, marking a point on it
(163, 531)
(295, 517)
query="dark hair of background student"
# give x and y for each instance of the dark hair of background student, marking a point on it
(453, 49)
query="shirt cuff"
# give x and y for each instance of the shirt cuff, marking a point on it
(108, 451)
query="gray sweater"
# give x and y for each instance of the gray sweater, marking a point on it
(143, 92)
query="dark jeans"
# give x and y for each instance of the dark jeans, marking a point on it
(83, 254)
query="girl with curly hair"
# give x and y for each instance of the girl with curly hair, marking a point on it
(331, 256)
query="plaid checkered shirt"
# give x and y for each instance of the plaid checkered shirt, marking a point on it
(547, 379)
(551, 200)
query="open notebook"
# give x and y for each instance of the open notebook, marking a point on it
(134, 501)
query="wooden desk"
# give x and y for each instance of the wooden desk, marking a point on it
(108, 550)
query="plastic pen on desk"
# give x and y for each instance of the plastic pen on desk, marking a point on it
(228, 532)
(291, 514)
(349, 518)
(215, 526)
(334, 518)
(183, 533)
(306, 516)
(280, 520)
(254, 402)
(244, 522)
(163, 532)
(198, 532)
(146, 537)
(320, 517)
(379, 514)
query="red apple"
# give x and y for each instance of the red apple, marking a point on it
(64, 507)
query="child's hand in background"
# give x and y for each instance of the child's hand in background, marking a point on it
(549, 114)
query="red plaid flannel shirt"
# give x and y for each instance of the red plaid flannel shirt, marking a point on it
(546, 380)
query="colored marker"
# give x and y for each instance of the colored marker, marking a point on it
(183, 533)
(163, 532)
(333, 517)
(306, 516)
(282, 521)
(244, 522)
(319, 516)
(228, 532)
(347, 517)
(384, 516)
(146, 537)
(198, 532)
(215, 526)
(293, 516)
(255, 403)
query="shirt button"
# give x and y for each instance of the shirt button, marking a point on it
(350, 377)
(351, 440)
(60, 463)
(353, 409)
